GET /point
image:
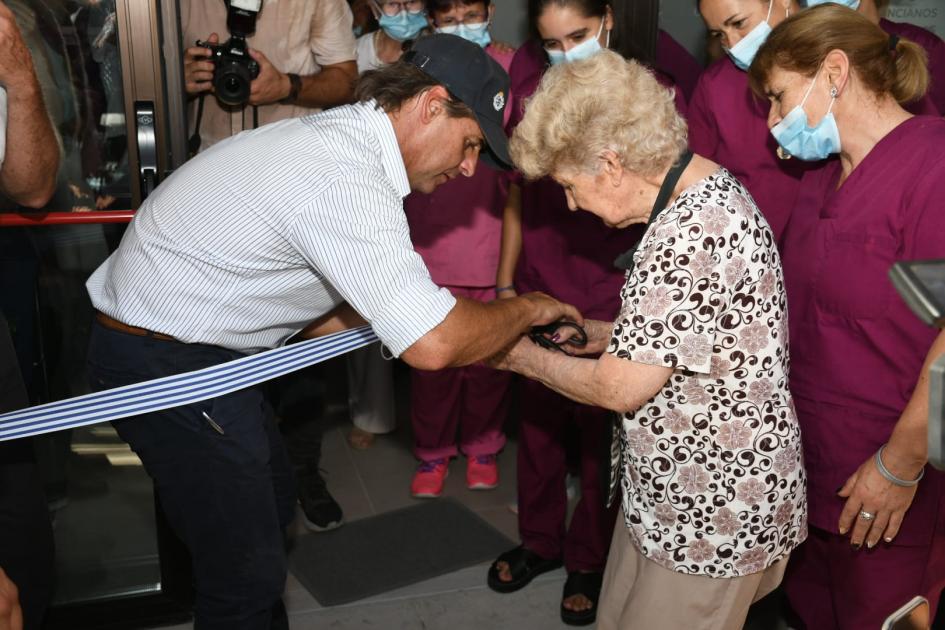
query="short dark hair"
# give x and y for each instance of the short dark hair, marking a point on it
(394, 85)
(446, 5)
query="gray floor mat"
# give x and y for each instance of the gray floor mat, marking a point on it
(381, 553)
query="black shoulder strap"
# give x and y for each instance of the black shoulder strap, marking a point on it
(625, 260)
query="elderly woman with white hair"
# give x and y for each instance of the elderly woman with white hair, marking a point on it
(696, 363)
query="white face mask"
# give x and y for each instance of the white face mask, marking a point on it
(743, 53)
(588, 48)
(477, 33)
(804, 142)
(853, 4)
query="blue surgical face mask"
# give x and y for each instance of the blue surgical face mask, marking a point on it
(586, 49)
(403, 26)
(853, 4)
(743, 53)
(805, 142)
(477, 33)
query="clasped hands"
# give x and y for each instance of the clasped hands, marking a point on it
(563, 336)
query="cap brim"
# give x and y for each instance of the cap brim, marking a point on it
(496, 153)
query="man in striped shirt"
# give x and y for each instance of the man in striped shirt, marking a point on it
(297, 225)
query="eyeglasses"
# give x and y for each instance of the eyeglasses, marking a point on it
(390, 8)
(475, 21)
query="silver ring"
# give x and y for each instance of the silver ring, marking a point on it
(866, 516)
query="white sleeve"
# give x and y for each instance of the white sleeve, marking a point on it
(356, 236)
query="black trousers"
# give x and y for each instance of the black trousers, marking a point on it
(26, 538)
(222, 473)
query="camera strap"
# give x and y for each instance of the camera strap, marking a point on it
(193, 143)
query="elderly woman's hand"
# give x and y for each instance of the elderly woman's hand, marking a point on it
(869, 493)
(598, 337)
(511, 356)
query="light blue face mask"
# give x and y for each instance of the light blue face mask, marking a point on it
(743, 53)
(403, 26)
(586, 49)
(477, 33)
(805, 142)
(853, 4)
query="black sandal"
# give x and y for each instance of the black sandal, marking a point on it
(588, 585)
(524, 565)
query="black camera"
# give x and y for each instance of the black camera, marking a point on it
(233, 68)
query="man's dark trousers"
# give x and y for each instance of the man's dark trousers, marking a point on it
(222, 474)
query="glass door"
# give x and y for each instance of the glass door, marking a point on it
(111, 79)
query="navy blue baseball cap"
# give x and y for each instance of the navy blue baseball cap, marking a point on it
(473, 78)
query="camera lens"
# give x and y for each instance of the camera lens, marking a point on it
(231, 80)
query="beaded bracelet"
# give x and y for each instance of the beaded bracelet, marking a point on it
(902, 483)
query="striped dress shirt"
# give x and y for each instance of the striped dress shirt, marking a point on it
(266, 231)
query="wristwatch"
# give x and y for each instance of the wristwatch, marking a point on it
(295, 86)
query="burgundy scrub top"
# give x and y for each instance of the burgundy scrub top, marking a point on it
(856, 348)
(729, 124)
(675, 61)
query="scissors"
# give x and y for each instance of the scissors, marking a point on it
(537, 335)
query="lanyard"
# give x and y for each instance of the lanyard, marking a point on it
(625, 260)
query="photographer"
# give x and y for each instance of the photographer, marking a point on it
(305, 52)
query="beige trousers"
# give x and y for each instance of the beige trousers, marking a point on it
(639, 594)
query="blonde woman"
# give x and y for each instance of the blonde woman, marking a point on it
(696, 362)
(837, 84)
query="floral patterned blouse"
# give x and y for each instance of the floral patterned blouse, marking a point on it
(713, 478)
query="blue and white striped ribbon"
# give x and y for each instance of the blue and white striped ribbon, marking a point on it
(179, 389)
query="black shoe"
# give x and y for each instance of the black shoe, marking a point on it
(320, 512)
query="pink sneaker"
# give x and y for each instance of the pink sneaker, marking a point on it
(482, 472)
(428, 480)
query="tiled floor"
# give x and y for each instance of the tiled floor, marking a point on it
(377, 480)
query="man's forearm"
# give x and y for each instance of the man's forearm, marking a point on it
(474, 331)
(31, 163)
(333, 85)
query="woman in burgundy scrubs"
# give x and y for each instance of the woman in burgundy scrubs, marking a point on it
(727, 123)
(860, 358)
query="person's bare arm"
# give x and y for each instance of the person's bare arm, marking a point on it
(31, 163)
(511, 246)
(905, 456)
(11, 616)
(608, 382)
(332, 85)
(473, 331)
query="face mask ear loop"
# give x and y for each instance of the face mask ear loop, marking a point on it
(833, 99)
(601, 29)
(770, 6)
(811, 87)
